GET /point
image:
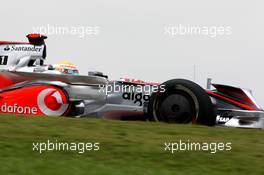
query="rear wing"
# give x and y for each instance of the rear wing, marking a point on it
(14, 55)
(36, 39)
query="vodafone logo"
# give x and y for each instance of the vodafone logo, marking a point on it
(50, 102)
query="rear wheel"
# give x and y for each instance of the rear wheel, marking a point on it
(182, 102)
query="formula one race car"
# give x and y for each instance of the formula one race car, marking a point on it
(29, 87)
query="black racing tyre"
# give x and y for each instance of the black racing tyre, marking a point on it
(182, 102)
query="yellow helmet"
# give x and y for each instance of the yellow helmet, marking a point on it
(66, 67)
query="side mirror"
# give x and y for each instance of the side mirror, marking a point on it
(50, 67)
(97, 74)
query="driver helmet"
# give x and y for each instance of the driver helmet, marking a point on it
(66, 67)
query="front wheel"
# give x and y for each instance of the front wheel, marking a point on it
(182, 102)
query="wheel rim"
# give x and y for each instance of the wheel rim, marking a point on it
(176, 108)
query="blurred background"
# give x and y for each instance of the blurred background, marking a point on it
(130, 38)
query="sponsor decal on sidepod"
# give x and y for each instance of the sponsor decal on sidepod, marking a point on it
(56, 110)
(47, 101)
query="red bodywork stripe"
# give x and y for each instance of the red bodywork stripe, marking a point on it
(13, 42)
(241, 105)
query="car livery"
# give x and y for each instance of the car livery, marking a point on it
(29, 87)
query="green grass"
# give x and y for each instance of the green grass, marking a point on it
(125, 148)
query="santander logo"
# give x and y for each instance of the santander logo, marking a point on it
(50, 102)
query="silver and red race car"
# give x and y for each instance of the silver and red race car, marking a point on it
(29, 87)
